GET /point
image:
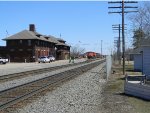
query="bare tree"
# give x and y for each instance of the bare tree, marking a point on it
(141, 19)
(76, 51)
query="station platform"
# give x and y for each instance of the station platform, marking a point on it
(10, 68)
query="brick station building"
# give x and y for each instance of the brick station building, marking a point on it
(28, 45)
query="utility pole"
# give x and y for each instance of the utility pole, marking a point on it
(118, 27)
(123, 7)
(123, 38)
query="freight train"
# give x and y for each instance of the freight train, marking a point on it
(91, 55)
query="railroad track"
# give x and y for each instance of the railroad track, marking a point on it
(9, 77)
(16, 94)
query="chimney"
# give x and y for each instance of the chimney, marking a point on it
(32, 27)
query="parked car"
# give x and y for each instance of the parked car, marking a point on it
(51, 57)
(44, 59)
(3, 60)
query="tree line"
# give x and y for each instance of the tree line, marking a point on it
(141, 24)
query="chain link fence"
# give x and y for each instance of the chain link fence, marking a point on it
(108, 66)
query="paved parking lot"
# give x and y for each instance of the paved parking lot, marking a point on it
(20, 67)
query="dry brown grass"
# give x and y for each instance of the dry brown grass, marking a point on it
(138, 105)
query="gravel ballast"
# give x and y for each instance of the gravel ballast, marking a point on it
(79, 95)
(17, 82)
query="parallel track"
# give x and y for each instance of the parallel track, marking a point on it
(19, 75)
(13, 95)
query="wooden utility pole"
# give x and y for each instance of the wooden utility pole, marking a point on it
(123, 7)
(119, 49)
(123, 38)
(118, 27)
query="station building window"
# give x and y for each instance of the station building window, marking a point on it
(38, 42)
(29, 42)
(20, 41)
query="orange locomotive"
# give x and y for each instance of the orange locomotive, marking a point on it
(91, 55)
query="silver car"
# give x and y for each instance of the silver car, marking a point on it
(51, 57)
(44, 59)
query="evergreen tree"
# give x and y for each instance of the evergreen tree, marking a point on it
(138, 37)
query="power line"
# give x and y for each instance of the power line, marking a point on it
(123, 8)
(118, 27)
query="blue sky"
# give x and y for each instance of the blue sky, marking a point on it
(83, 24)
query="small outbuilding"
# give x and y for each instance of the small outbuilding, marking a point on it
(137, 58)
(145, 52)
(142, 57)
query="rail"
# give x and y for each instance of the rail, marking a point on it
(19, 75)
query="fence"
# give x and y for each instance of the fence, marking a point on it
(103, 71)
(108, 65)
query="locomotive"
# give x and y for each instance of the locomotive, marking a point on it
(91, 55)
